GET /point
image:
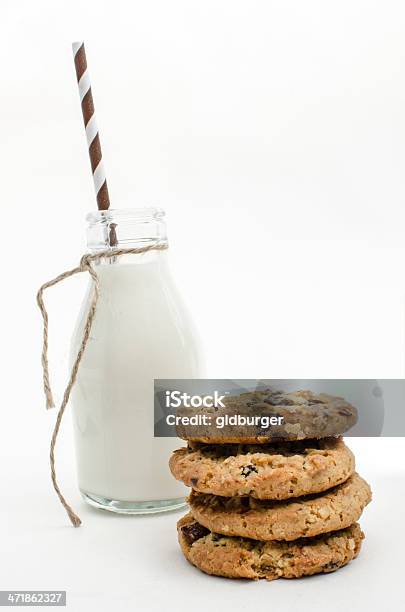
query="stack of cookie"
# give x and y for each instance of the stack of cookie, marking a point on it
(266, 508)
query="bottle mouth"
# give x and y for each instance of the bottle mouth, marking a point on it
(129, 227)
(113, 215)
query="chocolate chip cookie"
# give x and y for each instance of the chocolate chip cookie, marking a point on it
(273, 471)
(235, 557)
(267, 520)
(304, 415)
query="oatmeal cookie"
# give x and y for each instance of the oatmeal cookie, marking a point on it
(268, 520)
(273, 471)
(305, 415)
(244, 558)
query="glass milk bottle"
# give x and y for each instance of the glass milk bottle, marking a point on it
(141, 331)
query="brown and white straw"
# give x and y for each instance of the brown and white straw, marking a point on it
(93, 138)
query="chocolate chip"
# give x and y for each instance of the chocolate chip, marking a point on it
(194, 482)
(193, 532)
(248, 469)
(331, 566)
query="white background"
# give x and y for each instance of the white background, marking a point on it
(273, 133)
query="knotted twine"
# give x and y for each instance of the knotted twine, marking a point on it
(84, 266)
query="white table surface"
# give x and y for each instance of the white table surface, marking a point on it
(134, 563)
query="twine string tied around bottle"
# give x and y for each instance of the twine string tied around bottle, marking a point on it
(85, 266)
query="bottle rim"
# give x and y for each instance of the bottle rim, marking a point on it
(125, 228)
(145, 214)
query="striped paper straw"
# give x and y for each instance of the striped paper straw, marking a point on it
(93, 138)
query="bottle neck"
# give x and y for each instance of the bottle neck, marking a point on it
(125, 229)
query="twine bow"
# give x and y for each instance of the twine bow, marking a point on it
(84, 266)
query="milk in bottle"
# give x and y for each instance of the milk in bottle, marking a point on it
(141, 331)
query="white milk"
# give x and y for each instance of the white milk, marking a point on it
(141, 331)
